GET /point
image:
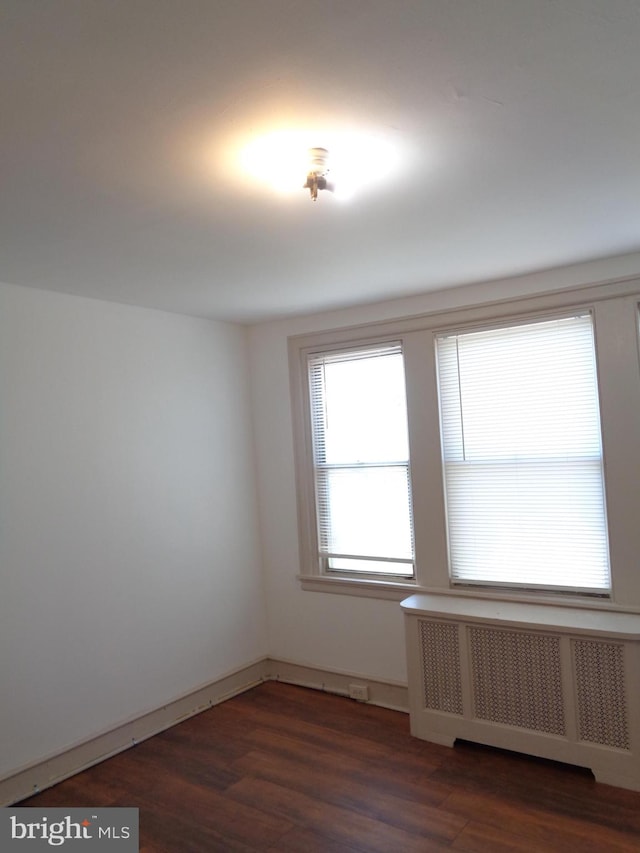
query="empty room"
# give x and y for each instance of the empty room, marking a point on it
(320, 424)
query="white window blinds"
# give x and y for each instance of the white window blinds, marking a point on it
(361, 461)
(522, 455)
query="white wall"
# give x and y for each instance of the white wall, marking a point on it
(129, 555)
(356, 635)
(129, 550)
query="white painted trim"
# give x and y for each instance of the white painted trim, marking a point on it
(399, 591)
(30, 779)
(357, 586)
(385, 694)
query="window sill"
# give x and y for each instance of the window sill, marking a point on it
(365, 588)
(397, 591)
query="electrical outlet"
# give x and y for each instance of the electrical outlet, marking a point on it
(359, 692)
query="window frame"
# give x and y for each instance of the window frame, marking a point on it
(313, 574)
(382, 349)
(614, 307)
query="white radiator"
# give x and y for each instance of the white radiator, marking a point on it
(557, 682)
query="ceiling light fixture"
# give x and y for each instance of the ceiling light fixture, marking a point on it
(317, 172)
(354, 161)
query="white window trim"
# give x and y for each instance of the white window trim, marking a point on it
(316, 398)
(615, 311)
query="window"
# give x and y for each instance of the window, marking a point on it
(485, 451)
(522, 455)
(361, 461)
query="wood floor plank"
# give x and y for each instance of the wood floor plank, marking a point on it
(308, 841)
(338, 823)
(284, 769)
(166, 832)
(480, 838)
(341, 789)
(205, 766)
(244, 821)
(557, 789)
(554, 833)
(406, 776)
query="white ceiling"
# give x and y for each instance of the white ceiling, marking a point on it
(519, 121)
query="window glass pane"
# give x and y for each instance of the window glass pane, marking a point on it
(366, 511)
(364, 409)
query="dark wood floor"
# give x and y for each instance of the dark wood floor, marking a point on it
(290, 770)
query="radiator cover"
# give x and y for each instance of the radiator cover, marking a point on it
(557, 682)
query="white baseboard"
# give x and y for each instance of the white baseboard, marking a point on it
(386, 694)
(35, 777)
(39, 775)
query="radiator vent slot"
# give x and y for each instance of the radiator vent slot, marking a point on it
(440, 646)
(516, 679)
(600, 689)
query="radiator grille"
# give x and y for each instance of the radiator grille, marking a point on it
(600, 690)
(516, 679)
(440, 655)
